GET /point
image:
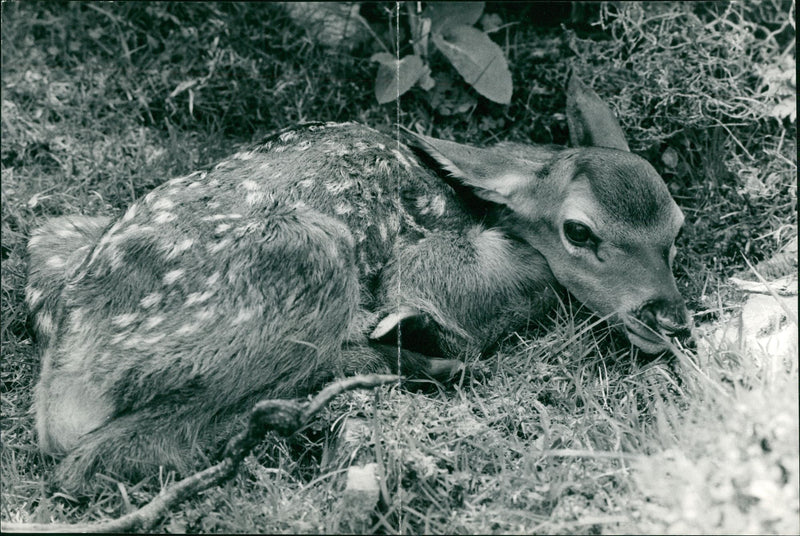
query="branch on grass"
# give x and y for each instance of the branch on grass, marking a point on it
(282, 416)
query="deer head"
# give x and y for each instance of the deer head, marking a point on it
(601, 216)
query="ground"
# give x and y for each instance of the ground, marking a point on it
(560, 431)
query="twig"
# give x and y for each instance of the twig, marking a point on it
(282, 416)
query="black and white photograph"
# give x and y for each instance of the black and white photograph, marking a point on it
(399, 267)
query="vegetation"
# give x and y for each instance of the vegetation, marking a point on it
(561, 431)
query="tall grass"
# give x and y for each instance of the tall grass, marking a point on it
(562, 430)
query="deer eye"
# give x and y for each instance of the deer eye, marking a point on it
(579, 234)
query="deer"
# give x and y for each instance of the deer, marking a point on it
(317, 253)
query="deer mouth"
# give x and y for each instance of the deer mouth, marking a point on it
(645, 339)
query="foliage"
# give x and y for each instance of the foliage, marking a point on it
(103, 101)
(449, 26)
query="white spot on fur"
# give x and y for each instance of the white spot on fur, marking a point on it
(243, 315)
(384, 234)
(32, 296)
(118, 338)
(431, 205)
(115, 257)
(172, 276)
(244, 155)
(55, 262)
(212, 279)
(173, 250)
(164, 217)
(44, 321)
(154, 339)
(187, 329)
(222, 227)
(151, 299)
(199, 175)
(194, 184)
(130, 213)
(34, 241)
(76, 317)
(403, 160)
(205, 314)
(288, 136)
(256, 198)
(359, 235)
(438, 205)
(116, 236)
(249, 185)
(153, 321)
(198, 297)
(217, 217)
(306, 183)
(219, 246)
(343, 209)
(139, 342)
(246, 229)
(132, 342)
(66, 232)
(337, 187)
(383, 167)
(124, 320)
(163, 204)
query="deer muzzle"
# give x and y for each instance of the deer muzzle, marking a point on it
(654, 323)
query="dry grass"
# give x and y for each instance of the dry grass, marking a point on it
(559, 432)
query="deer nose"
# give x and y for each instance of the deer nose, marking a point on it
(666, 316)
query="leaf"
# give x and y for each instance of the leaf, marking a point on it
(478, 60)
(670, 158)
(425, 81)
(491, 22)
(384, 58)
(445, 15)
(395, 77)
(785, 108)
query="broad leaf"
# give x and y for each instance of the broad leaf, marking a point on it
(395, 77)
(478, 60)
(445, 15)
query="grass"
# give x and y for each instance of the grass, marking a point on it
(562, 431)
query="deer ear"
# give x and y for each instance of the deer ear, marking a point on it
(492, 173)
(591, 122)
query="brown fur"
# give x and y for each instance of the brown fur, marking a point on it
(264, 276)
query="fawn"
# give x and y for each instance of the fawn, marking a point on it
(301, 258)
